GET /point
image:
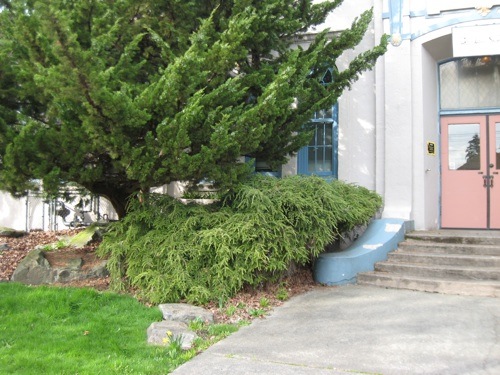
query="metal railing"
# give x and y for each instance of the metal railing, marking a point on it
(72, 212)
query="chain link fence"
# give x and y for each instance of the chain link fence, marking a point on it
(74, 211)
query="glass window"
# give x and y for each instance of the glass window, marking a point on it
(321, 148)
(464, 148)
(264, 168)
(319, 157)
(470, 83)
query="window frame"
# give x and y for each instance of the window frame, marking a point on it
(303, 154)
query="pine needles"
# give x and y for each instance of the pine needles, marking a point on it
(170, 251)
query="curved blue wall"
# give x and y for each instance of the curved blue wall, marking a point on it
(381, 237)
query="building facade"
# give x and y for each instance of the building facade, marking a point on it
(423, 128)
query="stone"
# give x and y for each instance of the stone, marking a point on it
(182, 312)
(99, 270)
(4, 246)
(12, 233)
(75, 264)
(73, 271)
(166, 331)
(34, 269)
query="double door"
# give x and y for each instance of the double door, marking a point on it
(470, 166)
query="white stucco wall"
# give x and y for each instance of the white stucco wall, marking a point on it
(357, 123)
(410, 106)
(12, 212)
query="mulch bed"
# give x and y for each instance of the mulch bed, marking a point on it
(300, 282)
(20, 247)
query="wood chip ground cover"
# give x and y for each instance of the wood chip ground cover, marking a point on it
(246, 305)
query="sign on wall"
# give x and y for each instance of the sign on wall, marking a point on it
(431, 148)
(476, 40)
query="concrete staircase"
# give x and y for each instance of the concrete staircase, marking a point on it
(445, 261)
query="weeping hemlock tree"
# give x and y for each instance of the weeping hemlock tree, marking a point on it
(120, 96)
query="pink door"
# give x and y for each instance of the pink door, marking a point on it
(470, 197)
(494, 163)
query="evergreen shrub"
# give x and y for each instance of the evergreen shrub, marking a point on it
(170, 251)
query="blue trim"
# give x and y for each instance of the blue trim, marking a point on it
(418, 13)
(381, 237)
(396, 16)
(467, 17)
(424, 13)
(481, 111)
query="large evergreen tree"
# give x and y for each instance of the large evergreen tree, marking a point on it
(120, 96)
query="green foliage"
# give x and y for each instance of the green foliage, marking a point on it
(60, 244)
(170, 251)
(282, 294)
(209, 334)
(264, 302)
(121, 96)
(231, 310)
(257, 313)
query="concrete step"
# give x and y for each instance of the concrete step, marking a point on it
(443, 261)
(419, 246)
(450, 286)
(405, 256)
(478, 237)
(442, 272)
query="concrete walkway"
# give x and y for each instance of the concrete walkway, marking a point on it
(362, 329)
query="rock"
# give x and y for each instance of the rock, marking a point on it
(99, 270)
(34, 269)
(75, 264)
(166, 331)
(4, 246)
(177, 317)
(74, 272)
(182, 312)
(11, 233)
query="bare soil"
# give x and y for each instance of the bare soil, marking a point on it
(246, 305)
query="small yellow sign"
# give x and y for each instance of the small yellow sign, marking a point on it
(431, 148)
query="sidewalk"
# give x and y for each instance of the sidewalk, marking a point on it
(363, 330)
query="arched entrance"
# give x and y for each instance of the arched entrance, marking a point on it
(470, 142)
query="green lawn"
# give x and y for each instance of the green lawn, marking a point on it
(48, 330)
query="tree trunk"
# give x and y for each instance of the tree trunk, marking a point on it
(118, 203)
(117, 195)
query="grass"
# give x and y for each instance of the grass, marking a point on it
(67, 331)
(49, 330)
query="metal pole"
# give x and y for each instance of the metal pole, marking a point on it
(43, 215)
(27, 212)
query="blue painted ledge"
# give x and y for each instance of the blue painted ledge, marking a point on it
(381, 237)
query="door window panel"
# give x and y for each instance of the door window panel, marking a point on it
(464, 149)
